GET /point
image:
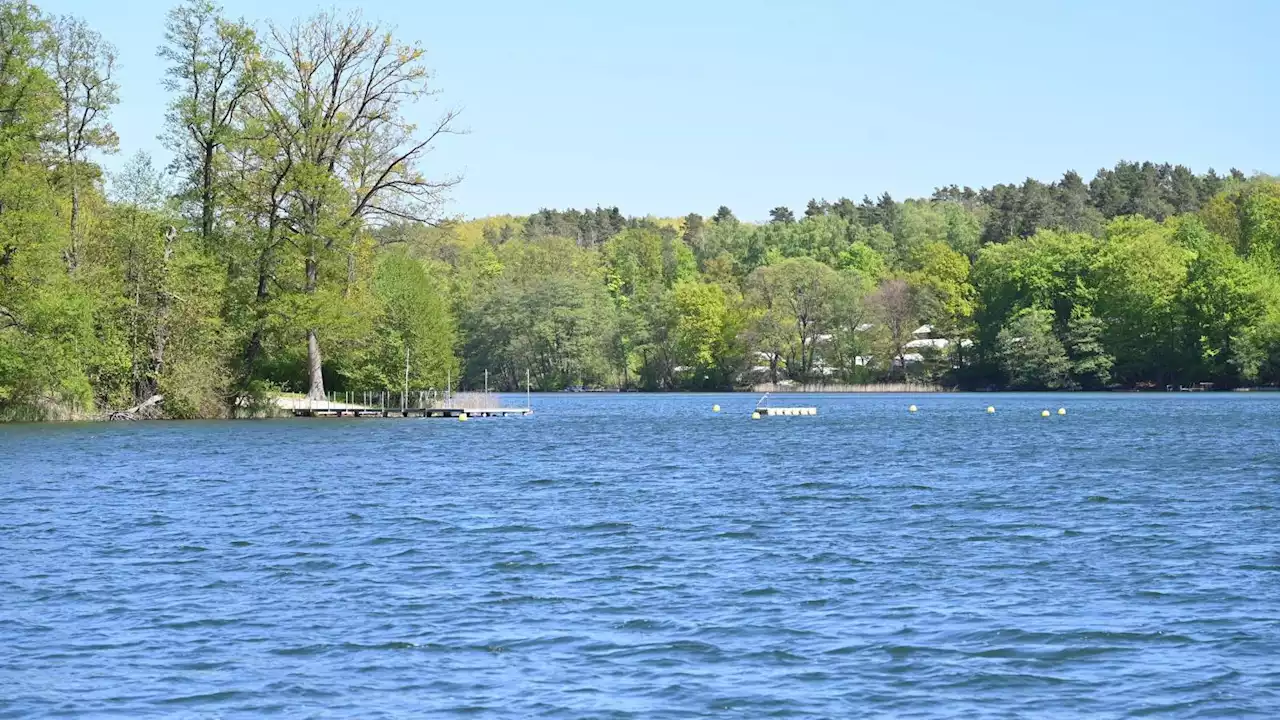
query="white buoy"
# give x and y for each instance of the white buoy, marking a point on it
(463, 417)
(755, 416)
(1044, 414)
(1062, 411)
(715, 408)
(991, 410)
(913, 408)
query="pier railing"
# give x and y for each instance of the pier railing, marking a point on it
(395, 400)
(904, 387)
(389, 403)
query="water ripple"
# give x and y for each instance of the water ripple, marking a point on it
(640, 557)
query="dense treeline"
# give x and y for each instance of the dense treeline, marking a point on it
(295, 244)
(1147, 275)
(250, 263)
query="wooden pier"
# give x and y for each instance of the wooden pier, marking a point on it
(424, 404)
(323, 411)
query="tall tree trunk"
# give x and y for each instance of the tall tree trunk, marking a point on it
(206, 194)
(73, 254)
(253, 349)
(314, 367)
(150, 385)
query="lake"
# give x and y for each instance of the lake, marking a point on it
(638, 556)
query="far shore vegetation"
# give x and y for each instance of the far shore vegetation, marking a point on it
(296, 244)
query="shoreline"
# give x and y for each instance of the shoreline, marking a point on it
(282, 407)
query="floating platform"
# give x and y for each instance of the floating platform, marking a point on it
(787, 411)
(361, 412)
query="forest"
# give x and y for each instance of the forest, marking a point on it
(297, 243)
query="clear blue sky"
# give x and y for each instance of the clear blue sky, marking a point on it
(666, 107)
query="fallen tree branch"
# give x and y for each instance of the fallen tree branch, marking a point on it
(133, 412)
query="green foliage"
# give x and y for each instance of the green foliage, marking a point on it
(641, 263)
(704, 324)
(1049, 270)
(548, 312)
(797, 301)
(943, 275)
(294, 243)
(1260, 224)
(1090, 362)
(1138, 274)
(1222, 303)
(413, 329)
(1031, 356)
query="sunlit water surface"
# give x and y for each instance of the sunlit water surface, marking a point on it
(639, 556)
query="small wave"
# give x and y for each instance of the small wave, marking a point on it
(202, 623)
(642, 624)
(603, 527)
(517, 566)
(991, 681)
(302, 651)
(677, 647)
(508, 529)
(389, 645)
(203, 699)
(819, 485)
(523, 600)
(1048, 655)
(777, 656)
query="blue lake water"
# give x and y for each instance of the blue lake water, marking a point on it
(637, 556)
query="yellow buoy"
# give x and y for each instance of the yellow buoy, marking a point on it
(991, 410)
(715, 408)
(463, 417)
(755, 416)
(913, 408)
(1044, 414)
(1062, 411)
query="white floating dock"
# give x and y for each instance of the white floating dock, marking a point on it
(787, 411)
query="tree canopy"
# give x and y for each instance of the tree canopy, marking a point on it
(297, 242)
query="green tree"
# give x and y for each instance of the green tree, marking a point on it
(898, 307)
(1090, 362)
(214, 67)
(1259, 214)
(335, 110)
(944, 275)
(82, 67)
(723, 215)
(1138, 273)
(1031, 355)
(782, 215)
(804, 292)
(1221, 303)
(414, 325)
(547, 312)
(700, 315)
